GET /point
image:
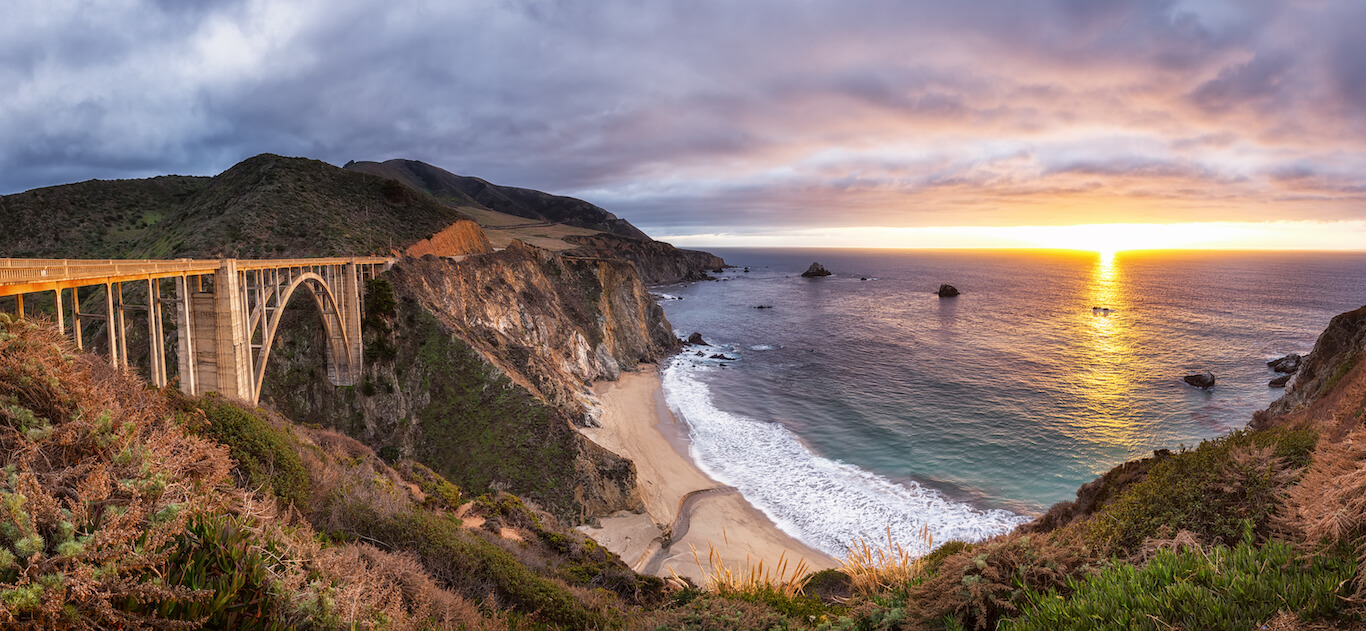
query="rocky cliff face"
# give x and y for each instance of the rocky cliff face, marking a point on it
(1330, 387)
(460, 238)
(479, 368)
(657, 262)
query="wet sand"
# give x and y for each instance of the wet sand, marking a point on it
(682, 501)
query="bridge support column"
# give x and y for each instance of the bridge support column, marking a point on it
(351, 302)
(186, 364)
(232, 351)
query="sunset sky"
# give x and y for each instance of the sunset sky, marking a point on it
(756, 122)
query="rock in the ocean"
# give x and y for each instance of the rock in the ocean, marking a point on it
(947, 291)
(720, 356)
(1200, 380)
(696, 339)
(1279, 382)
(1290, 364)
(763, 306)
(816, 269)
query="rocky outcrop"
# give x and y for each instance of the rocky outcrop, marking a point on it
(947, 291)
(464, 237)
(1204, 380)
(815, 270)
(1279, 382)
(1290, 364)
(1330, 386)
(657, 262)
(479, 369)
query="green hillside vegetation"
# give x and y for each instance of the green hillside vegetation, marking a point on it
(94, 219)
(127, 506)
(532, 205)
(267, 206)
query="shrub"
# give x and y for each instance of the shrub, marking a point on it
(216, 554)
(267, 457)
(96, 485)
(470, 565)
(1222, 588)
(980, 585)
(1208, 490)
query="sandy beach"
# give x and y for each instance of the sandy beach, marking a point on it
(682, 501)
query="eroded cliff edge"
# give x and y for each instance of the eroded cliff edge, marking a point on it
(479, 368)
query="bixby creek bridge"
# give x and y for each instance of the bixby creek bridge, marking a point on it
(226, 311)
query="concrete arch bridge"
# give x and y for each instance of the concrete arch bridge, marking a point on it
(226, 311)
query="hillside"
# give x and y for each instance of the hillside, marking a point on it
(94, 219)
(265, 206)
(459, 190)
(161, 508)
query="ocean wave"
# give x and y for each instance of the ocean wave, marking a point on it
(824, 503)
(763, 347)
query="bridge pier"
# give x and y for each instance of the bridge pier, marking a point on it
(226, 312)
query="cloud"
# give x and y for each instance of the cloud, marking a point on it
(694, 115)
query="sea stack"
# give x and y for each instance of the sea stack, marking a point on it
(1204, 380)
(947, 291)
(815, 270)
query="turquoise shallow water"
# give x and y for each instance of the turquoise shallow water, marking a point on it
(854, 405)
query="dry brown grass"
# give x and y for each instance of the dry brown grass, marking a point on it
(98, 481)
(875, 570)
(750, 577)
(1328, 506)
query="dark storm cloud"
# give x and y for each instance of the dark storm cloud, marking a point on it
(682, 115)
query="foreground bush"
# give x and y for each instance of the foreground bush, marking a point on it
(266, 457)
(1210, 490)
(98, 484)
(981, 584)
(1221, 588)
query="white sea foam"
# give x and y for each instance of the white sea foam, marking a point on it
(823, 502)
(763, 347)
(663, 296)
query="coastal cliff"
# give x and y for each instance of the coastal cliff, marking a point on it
(657, 262)
(479, 369)
(1330, 387)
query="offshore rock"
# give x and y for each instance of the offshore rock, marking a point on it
(1279, 382)
(1204, 380)
(696, 339)
(815, 270)
(947, 291)
(1290, 364)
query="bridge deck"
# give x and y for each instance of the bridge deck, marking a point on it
(20, 276)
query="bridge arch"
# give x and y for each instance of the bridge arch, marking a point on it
(342, 349)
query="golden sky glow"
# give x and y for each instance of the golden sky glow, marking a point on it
(1103, 238)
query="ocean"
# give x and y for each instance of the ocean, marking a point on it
(862, 402)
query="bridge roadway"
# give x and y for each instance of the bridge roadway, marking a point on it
(227, 311)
